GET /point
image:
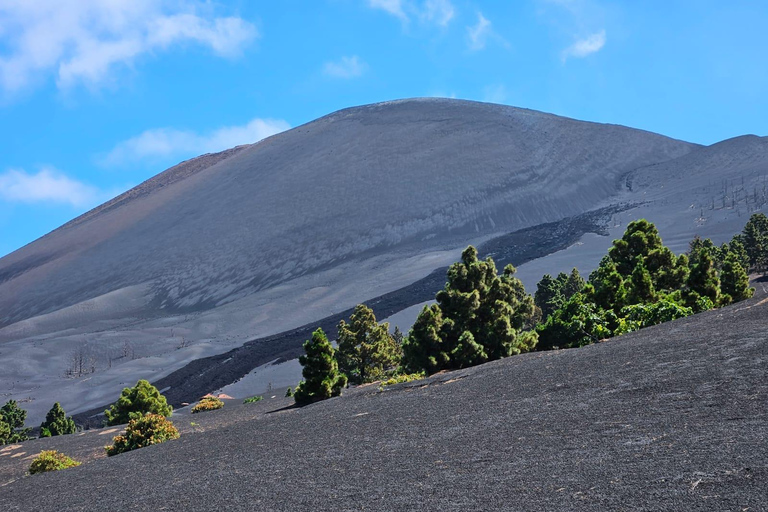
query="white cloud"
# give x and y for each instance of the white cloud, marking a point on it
(442, 94)
(495, 93)
(438, 11)
(478, 34)
(346, 67)
(393, 7)
(161, 143)
(83, 40)
(48, 185)
(583, 47)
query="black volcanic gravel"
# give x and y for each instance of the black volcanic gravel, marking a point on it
(674, 417)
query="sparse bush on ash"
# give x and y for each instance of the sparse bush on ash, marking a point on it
(207, 403)
(137, 401)
(144, 431)
(51, 460)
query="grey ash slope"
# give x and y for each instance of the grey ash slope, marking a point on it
(358, 181)
(266, 238)
(673, 417)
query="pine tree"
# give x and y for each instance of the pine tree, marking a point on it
(137, 401)
(734, 281)
(756, 241)
(366, 350)
(607, 286)
(641, 290)
(5, 432)
(549, 295)
(737, 248)
(640, 238)
(57, 423)
(320, 370)
(424, 348)
(574, 284)
(703, 280)
(476, 300)
(14, 417)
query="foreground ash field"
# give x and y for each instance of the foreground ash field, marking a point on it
(223, 259)
(671, 417)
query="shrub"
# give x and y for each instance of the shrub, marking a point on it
(253, 399)
(652, 314)
(208, 403)
(57, 423)
(288, 392)
(406, 377)
(137, 401)
(51, 460)
(144, 431)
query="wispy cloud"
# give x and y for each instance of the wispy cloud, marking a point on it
(83, 41)
(163, 143)
(47, 186)
(439, 12)
(393, 7)
(587, 46)
(496, 93)
(478, 33)
(481, 32)
(346, 67)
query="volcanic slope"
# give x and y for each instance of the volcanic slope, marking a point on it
(672, 417)
(266, 238)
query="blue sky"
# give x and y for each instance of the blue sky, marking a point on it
(97, 96)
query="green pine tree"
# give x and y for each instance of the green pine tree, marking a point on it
(322, 378)
(137, 401)
(641, 290)
(739, 250)
(366, 351)
(57, 423)
(549, 295)
(734, 281)
(703, 281)
(756, 241)
(607, 286)
(14, 417)
(476, 300)
(424, 348)
(574, 284)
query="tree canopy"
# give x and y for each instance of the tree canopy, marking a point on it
(57, 423)
(366, 351)
(322, 378)
(479, 316)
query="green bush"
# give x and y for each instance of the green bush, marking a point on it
(144, 431)
(57, 423)
(12, 419)
(288, 392)
(51, 460)
(652, 314)
(208, 403)
(407, 377)
(253, 399)
(137, 401)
